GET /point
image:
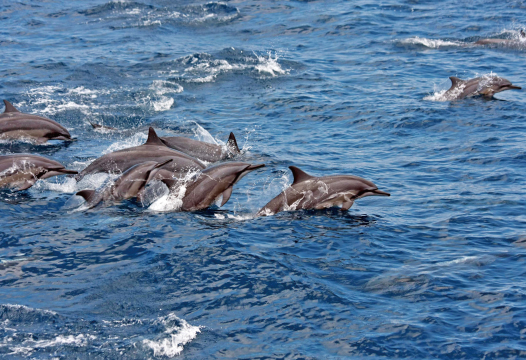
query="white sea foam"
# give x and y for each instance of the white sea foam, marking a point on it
(203, 135)
(178, 336)
(269, 65)
(135, 140)
(430, 43)
(162, 104)
(63, 185)
(173, 200)
(161, 87)
(29, 346)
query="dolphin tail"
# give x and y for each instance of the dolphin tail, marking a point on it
(232, 144)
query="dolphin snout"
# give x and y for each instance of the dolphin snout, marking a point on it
(381, 193)
(514, 87)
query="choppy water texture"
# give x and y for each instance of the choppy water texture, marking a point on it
(435, 271)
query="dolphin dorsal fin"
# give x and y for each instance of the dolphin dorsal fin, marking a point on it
(86, 194)
(9, 108)
(232, 143)
(153, 139)
(455, 81)
(299, 175)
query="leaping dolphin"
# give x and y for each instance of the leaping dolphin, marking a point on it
(203, 150)
(16, 125)
(485, 86)
(212, 184)
(20, 172)
(152, 150)
(311, 192)
(127, 186)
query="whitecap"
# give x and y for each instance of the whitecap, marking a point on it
(430, 43)
(176, 336)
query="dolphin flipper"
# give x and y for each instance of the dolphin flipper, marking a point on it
(226, 195)
(347, 205)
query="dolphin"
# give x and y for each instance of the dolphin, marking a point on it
(203, 150)
(127, 186)
(20, 172)
(212, 184)
(152, 150)
(102, 127)
(17, 125)
(311, 192)
(485, 86)
(522, 37)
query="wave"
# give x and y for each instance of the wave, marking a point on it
(418, 42)
(137, 15)
(164, 336)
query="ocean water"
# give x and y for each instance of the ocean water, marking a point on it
(435, 271)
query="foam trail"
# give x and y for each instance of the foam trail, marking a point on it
(430, 43)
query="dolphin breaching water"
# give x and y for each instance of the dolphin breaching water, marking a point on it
(522, 38)
(486, 86)
(212, 185)
(20, 172)
(311, 192)
(203, 150)
(15, 125)
(152, 150)
(127, 186)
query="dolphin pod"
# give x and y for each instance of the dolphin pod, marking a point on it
(311, 192)
(484, 86)
(127, 186)
(152, 150)
(21, 171)
(17, 125)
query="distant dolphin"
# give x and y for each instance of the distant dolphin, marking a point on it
(203, 150)
(102, 127)
(310, 192)
(212, 184)
(127, 186)
(152, 150)
(485, 86)
(20, 172)
(522, 35)
(17, 125)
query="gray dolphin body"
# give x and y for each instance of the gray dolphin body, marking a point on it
(16, 125)
(127, 186)
(310, 192)
(485, 86)
(522, 35)
(153, 150)
(211, 184)
(20, 172)
(203, 150)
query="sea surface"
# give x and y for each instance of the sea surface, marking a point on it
(437, 270)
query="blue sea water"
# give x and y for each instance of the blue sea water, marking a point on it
(435, 271)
